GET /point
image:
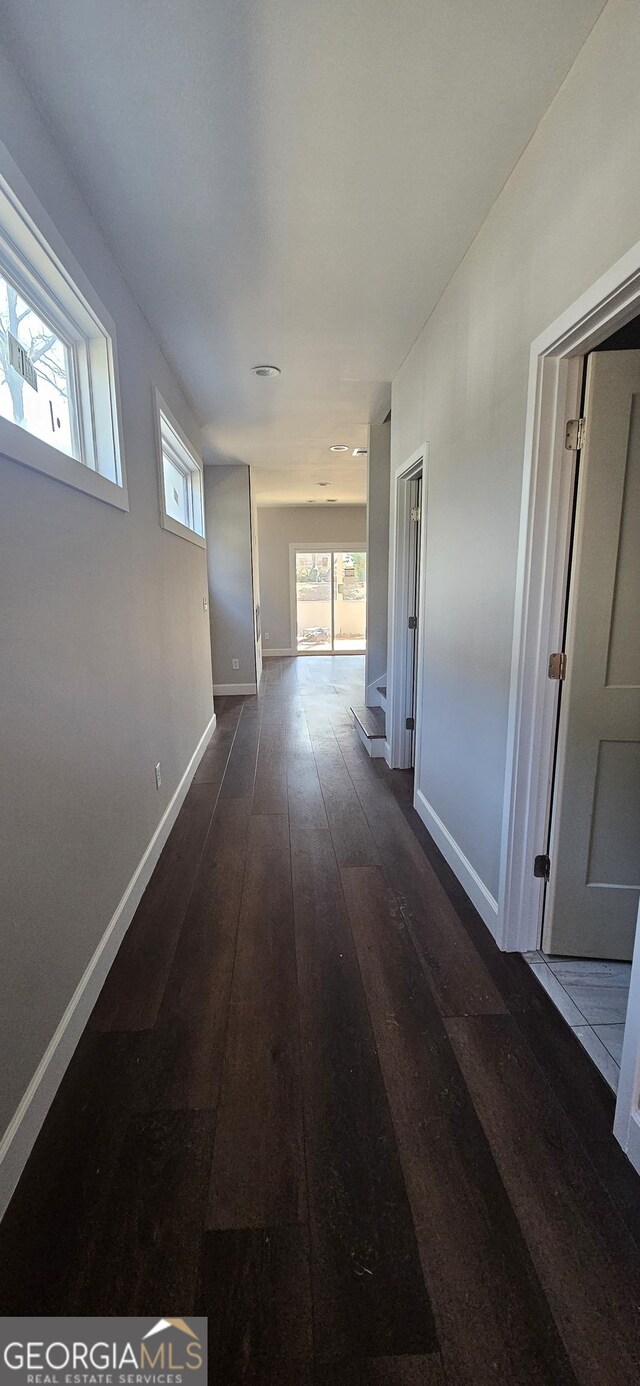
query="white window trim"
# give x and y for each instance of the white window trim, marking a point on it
(167, 521)
(35, 256)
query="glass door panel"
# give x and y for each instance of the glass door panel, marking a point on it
(314, 609)
(349, 600)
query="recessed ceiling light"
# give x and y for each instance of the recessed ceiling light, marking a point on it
(311, 502)
(359, 452)
(265, 370)
(339, 447)
(323, 483)
(331, 500)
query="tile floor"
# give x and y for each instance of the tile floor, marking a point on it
(592, 996)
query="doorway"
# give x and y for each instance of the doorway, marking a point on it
(406, 644)
(415, 535)
(592, 864)
(591, 898)
(570, 877)
(329, 590)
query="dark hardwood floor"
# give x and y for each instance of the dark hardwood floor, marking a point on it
(316, 1104)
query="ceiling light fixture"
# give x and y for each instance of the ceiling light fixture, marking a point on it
(323, 483)
(359, 452)
(339, 447)
(331, 500)
(265, 370)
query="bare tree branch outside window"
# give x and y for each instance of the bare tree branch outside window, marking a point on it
(43, 347)
(47, 410)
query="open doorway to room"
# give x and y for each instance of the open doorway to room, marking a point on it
(570, 883)
(591, 866)
(329, 590)
(407, 569)
(413, 560)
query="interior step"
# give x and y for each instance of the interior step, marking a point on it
(370, 724)
(371, 720)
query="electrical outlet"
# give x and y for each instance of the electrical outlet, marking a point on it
(205, 604)
(235, 663)
(266, 635)
(158, 776)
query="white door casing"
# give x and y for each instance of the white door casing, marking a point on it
(399, 739)
(555, 374)
(554, 396)
(626, 1126)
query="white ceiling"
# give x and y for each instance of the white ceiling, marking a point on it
(292, 181)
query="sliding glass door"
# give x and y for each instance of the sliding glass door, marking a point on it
(314, 607)
(331, 600)
(349, 600)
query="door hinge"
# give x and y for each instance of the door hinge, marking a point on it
(558, 665)
(413, 623)
(542, 866)
(410, 723)
(574, 436)
(415, 513)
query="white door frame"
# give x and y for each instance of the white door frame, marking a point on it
(555, 375)
(626, 1126)
(400, 608)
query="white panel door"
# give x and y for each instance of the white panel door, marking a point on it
(594, 885)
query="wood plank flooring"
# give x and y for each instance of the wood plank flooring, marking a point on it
(317, 1105)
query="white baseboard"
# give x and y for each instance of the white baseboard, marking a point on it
(22, 1131)
(270, 654)
(220, 690)
(476, 889)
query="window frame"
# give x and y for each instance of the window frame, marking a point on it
(16, 273)
(186, 460)
(319, 546)
(36, 261)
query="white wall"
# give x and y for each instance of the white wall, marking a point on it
(378, 473)
(280, 526)
(228, 520)
(105, 663)
(569, 211)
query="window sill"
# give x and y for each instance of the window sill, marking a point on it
(183, 531)
(16, 445)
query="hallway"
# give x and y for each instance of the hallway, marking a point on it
(317, 1105)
